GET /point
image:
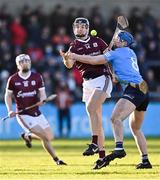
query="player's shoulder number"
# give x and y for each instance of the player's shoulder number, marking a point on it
(134, 63)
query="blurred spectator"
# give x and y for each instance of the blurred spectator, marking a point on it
(4, 14)
(57, 18)
(4, 31)
(63, 103)
(60, 40)
(149, 20)
(4, 75)
(112, 22)
(42, 35)
(19, 34)
(71, 14)
(34, 30)
(26, 12)
(151, 80)
(135, 20)
(45, 37)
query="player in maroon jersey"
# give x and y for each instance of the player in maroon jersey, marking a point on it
(27, 88)
(97, 84)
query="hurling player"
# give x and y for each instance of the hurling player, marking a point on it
(97, 84)
(27, 88)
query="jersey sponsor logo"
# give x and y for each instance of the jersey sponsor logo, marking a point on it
(25, 83)
(95, 44)
(26, 94)
(33, 83)
(17, 83)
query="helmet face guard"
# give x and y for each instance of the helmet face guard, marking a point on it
(81, 21)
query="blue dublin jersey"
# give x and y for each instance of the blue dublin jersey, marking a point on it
(124, 63)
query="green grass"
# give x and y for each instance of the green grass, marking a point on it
(19, 162)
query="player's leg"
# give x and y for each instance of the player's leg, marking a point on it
(101, 141)
(26, 135)
(94, 94)
(95, 102)
(101, 136)
(136, 119)
(122, 110)
(46, 137)
(40, 127)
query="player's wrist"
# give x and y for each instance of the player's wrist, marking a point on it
(11, 113)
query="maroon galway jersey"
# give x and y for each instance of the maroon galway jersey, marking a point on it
(91, 46)
(26, 91)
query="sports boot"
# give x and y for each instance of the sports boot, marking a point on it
(91, 150)
(27, 140)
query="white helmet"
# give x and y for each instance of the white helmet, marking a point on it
(22, 57)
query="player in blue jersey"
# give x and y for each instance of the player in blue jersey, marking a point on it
(135, 97)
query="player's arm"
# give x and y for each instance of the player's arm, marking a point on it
(8, 102)
(42, 94)
(93, 60)
(42, 91)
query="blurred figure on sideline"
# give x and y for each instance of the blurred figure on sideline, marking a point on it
(63, 103)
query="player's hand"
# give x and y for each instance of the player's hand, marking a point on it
(67, 55)
(67, 60)
(63, 54)
(11, 114)
(109, 48)
(70, 56)
(114, 79)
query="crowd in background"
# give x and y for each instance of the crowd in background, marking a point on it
(41, 35)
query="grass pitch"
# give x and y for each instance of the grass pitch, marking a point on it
(19, 162)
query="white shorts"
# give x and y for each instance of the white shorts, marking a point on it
(27, 122)
(103, 83)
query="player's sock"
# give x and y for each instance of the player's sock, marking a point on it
(119, 145)
(101, 154)
(58, 161)
(144, 158)
(55, 159)
(94, 139)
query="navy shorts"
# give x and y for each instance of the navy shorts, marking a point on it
(137, 97)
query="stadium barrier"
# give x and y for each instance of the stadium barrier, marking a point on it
(10, 129)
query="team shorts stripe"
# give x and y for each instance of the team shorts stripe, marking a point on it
(106, 84)
(23, 122)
